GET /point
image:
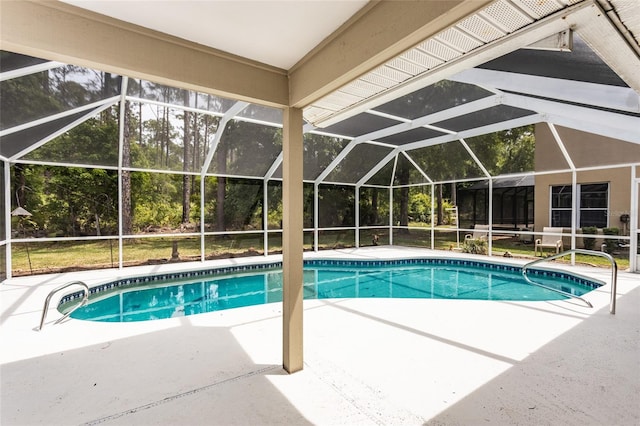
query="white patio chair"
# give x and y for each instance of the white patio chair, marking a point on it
(549, 241)
(480, 232)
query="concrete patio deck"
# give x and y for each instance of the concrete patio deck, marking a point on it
(367, 361)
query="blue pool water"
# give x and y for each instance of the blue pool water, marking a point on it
(423, 279)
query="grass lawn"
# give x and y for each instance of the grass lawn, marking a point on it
(64, 256)
(446, 240)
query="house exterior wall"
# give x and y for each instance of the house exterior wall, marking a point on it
(585, 150)
(619, 189)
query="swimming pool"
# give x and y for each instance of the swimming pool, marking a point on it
(190, 293)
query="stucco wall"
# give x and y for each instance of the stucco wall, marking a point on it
(585, 150)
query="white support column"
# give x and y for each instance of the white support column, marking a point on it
(202, 224)
(7, 216)
(390, 215)
(265, 216)
(433, 216)
(574, 212)
(316, 215)
(490, 218)
(574, 188)
(393, 175)
(634, 213)
(357, 216)
(292, 240)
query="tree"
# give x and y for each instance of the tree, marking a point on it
(403, 173)
(127, 211)
(34, 87)
(221, 189)
(186, 163)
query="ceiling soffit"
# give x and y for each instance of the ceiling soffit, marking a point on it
(499, 28)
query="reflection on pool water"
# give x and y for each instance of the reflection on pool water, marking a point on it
(325, 280)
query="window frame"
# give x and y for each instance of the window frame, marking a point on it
(580, 209)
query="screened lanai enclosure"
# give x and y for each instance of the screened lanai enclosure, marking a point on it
(102, 170)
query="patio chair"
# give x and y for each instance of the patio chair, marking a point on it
(480, 232)
(549, 241)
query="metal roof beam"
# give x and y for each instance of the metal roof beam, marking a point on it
(404, 126)
(610, 43)
(597, 95)
(617, 126)
(477, 131)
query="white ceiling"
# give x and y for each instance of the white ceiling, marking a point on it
(277, 33)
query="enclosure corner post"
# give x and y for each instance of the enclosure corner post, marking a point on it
(6, 177)
(292, 240)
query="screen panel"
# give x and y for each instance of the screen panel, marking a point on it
(357, 163)
(53, 91)
(92, 142)
(434, 98)
(158, 139)
(246, 149)
(447, 161)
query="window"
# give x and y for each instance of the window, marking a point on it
(593, 205)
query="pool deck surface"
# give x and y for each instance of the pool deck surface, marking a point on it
(366, 361)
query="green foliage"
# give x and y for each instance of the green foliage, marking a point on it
(156, 200)
(243, 204)
(84, 201)
(274, 218)
(374, 206)
(156, 214)
(420, 207)
(589, 242)
(475, 246)
(611, 244)
(336, 205)
(94, 141)
(34, 87)
(69, 201)
(507, 151)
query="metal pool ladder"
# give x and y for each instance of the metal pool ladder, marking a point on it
(57, 289)
(614, 275)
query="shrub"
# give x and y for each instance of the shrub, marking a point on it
(589, 242)
(475, 246)
(611, 244)
(420, 207)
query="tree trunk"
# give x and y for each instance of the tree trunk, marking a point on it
(97, 222)
(73, 220)
(165, 136)
(20, 182)
(127, 227)
(440, 205)
(220, 196)
(374, 205)
(257, 197)
(186, 161)
(454, 197)
(403, 178)
(106, 115)
(159, 141)
(404, 208)
(222, 187)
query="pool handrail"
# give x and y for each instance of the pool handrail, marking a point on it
(85, 298)
(614, 274)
